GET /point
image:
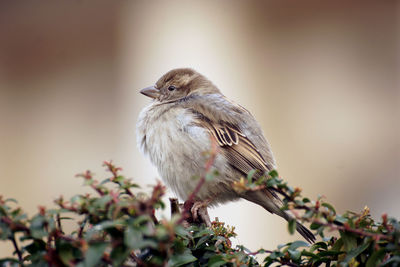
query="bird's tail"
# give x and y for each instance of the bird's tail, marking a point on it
(269, 202)
(305, 232)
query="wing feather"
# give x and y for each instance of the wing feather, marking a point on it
(229, 124)
(235, 146)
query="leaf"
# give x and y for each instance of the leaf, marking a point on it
(392, 260)
(37, 227)
(65, 251)
(216, 261)
(355, 252)
(349, 241)
(94, 253)
(201, 241)
(11, 200)
(315, 226)
(8, 262)
(5, 231)
(105, 181)
(182, 232)
(274, 174)
(340, 219)
(318, 245)
(36, 246)
(133, 238)
(205, 231)
(276, 254)
(251, 174)
(282, 245)
(119, 254)
(292, 226)
(181, 259)
(376, 258)
(294, 254)
(338, 244)
(102, 202)
(330, 253)
(296, 244)
(329, 207)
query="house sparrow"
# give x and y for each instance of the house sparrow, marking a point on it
(176, 128)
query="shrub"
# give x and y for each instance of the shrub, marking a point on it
(116, 226)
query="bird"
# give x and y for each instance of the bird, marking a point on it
(187, 114)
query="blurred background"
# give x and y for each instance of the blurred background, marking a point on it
(322, 78)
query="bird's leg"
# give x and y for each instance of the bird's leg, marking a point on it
(199, 209)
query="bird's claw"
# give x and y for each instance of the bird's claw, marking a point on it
(199, 211)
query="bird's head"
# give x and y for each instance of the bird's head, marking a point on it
(178, 84)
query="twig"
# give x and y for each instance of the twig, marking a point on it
(333, 226)
(58, 219)
(17, 250)
(114, 171)
(81, 227)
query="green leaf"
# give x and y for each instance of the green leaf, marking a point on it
(201, 241)
(251, 174)
(5, 231)
(355, 252)
(276, 254)
(216, 261)
(273, 174)
(349, 241)
(205, 231)
(340, 219)
(94, 253)
(292, 226)
(11, 200)
(102, 202)
(376, 258)
(338, 244)
(36, 246)
(330, 253)
(182, 232)
(318, 245)
(296, 244)
(315, 226)
(329, 207)
(65, 251)
(119, 254)
(133, 238)
(392, 260)
(294, 254)
(282, 246)
(37, 227)
(181, 259)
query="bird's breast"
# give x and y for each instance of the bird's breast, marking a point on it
(175, 145)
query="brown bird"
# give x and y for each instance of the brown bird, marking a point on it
(175, 130)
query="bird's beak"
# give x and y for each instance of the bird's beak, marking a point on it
(151, 92)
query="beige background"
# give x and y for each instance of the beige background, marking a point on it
(322, 79)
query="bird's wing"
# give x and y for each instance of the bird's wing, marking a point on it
(236, 132)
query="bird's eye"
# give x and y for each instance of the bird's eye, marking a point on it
(171, 88)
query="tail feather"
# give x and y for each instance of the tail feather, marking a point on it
(305, 233)
(266, 200)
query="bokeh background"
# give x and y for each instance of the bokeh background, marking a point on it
(321, 77)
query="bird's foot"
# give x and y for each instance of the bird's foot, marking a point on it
(199, 211)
